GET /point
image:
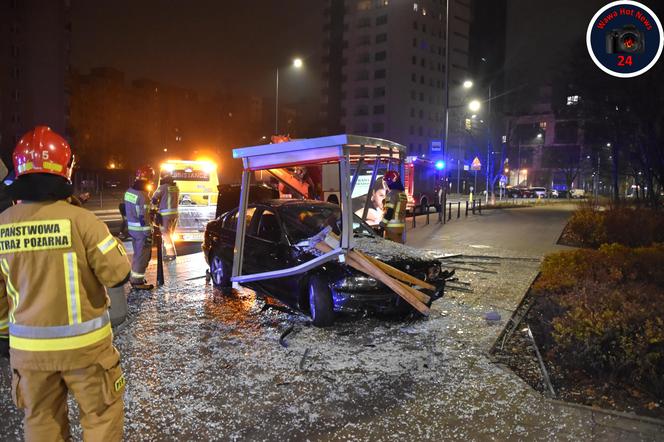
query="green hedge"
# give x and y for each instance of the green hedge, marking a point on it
(603, 312)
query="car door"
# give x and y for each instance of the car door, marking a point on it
(269, 245)
(227, 234)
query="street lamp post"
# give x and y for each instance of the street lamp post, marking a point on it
(488, 148)
(447, 80)
(297, 63)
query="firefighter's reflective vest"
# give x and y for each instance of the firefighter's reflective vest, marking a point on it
(397, 200)
(55, 260)
(137, 207)
(166, 198)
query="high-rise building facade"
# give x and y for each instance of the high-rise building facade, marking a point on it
(35, 39)
(384, 71)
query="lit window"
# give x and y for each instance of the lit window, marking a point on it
(542, 125)
(573, 100)
(415, 7)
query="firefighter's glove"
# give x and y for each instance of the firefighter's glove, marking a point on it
(4, 346)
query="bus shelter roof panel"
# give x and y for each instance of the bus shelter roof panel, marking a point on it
(317, 150)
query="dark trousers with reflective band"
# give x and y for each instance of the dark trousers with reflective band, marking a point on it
(168, 224)
(142, 244)
(43, 397)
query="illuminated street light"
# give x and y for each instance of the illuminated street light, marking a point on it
(474, 105)
(467, 84)
(608, 144)
(539, 135)
(297, 64)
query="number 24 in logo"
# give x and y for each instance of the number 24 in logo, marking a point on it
(622, 61)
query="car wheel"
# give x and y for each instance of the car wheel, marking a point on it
(220, 272)
(321, 306)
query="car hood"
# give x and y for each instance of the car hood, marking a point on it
(393, 253)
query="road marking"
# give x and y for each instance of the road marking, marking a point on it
(479, 246)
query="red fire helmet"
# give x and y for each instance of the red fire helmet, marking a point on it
(391, 176)
(43, 151)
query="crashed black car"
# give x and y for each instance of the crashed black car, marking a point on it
(276, 238)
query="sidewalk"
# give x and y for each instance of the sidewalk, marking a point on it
(203, 366)
(529, 231)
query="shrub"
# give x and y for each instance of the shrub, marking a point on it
(586, 227)
(590, 227)
(607, 312)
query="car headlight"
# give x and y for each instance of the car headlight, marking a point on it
(355, 284)
(433, 272)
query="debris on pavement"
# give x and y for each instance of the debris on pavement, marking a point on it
(204, 366)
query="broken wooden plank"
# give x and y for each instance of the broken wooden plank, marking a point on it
(355, 261)
(396, 273)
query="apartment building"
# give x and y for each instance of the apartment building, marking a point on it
(384, 69)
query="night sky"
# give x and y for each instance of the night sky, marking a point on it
(206, 45)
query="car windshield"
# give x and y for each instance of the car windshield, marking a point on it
(304, 221)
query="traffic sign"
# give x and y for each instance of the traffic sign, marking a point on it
(476, 164)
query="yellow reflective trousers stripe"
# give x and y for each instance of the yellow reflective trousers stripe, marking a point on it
(71, 284)
(11, 291)
(59, 344)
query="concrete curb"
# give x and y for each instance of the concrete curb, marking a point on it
(659, 423)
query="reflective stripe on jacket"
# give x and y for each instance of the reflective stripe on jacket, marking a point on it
(398, 201)
(55, 260)
(137, 207)
(166, 199)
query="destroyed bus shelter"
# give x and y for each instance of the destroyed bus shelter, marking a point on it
(351, 154)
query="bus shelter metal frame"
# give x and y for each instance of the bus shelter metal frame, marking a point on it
(346, 150)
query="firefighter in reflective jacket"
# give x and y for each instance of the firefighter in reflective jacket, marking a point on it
(139, 224)
(55, 260)
(165, 198)
(394, 221)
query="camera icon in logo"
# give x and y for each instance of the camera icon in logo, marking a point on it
(626, 40)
